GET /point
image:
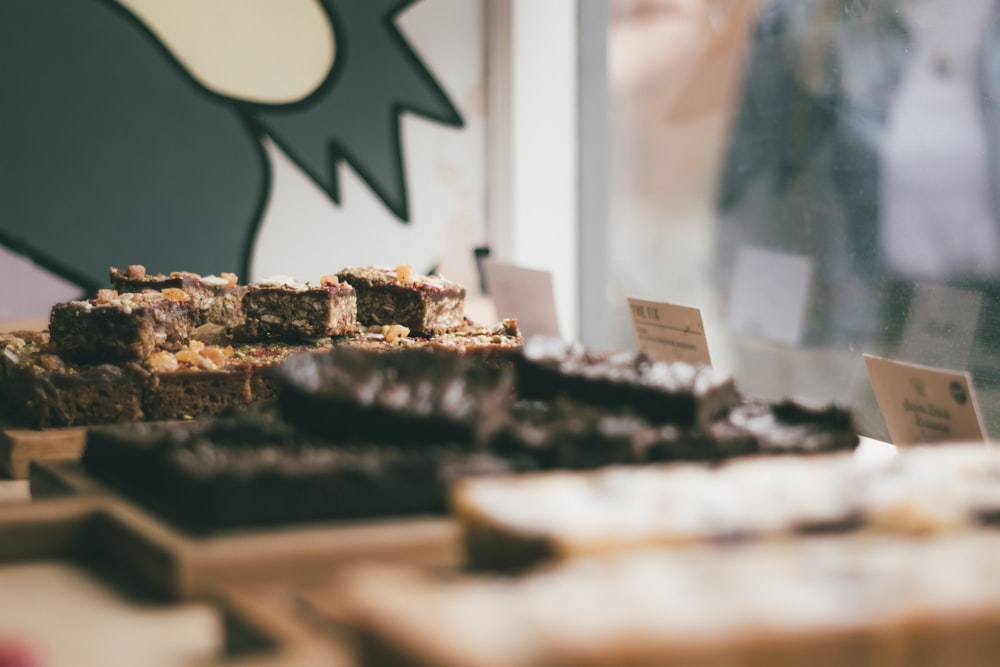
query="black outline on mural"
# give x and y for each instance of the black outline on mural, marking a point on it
(257, 131)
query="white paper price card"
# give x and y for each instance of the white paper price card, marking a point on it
(526, 294)
(922, 404)
(670, 332)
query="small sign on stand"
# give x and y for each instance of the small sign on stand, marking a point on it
(526, 294)
(923, 405)
(670, 332)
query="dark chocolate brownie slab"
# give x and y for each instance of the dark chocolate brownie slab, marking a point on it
(786, 427)
(247, 467)
(426, 305)
(663, 393)
(120, 327)
(418, 395)
(40, 390)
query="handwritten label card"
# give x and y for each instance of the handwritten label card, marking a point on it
(526, 294)
(769, 294)
(670, 332)
(922, 404)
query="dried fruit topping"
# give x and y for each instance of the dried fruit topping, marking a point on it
(216, 355)
(106, 295)
(404, 273)
(162, 362)
(329, 280)
(136, 272)
(175, 294)
(393, 332)
(230, 278)
(188, 356)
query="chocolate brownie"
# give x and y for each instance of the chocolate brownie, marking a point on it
(214, 299)
(265, 359)
(497, 345)
(38, 389)
(785, 427)
(248, 467)
(286, 309)
(664, 393)
(197, 380)
(426, 305)
(121, 327)
(568, 435)
(419, 394)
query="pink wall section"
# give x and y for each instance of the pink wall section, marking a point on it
(28, 290)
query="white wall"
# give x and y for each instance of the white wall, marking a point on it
(538, 225)
(306, 235)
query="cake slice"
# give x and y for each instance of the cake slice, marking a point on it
(121, 327)
(425, 305)
(420, 395)
(664, 393)
(248, 467)
(859, 600)
(197, 380)
(40, 390)
(214, 299)
(785, 427)
(284, 308)
(512, 522)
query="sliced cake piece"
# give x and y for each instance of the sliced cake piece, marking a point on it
(664, 393)
(426, 305)
(517, 521)
(248, 467)
(38, 389)
(197, 380)
(121, 327)
(785, 427)
(860, 600)
(419, 395)
(214, 299)
(287, 309)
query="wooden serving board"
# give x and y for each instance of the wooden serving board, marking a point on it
(62, 556)
(182, 565)
(20, 446)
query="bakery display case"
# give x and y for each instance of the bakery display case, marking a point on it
(305, 433)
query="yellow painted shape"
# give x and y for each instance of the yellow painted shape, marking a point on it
(265, 51)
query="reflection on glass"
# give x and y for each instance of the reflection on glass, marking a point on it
(857, 139)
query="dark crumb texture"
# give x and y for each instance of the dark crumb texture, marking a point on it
(420, 395)
(292, 311)
(248, 467)
(193, 392)
(214, 299)
(127, 327)
(663, 393)
(40, 390)
(787, 427)
(426, 305)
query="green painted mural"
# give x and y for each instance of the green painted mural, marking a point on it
(118, 150)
